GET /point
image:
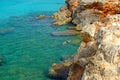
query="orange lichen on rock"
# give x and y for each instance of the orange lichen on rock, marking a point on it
(97, 27)
(74, 4)
(106, 8)
(110, 8)
(94, 5)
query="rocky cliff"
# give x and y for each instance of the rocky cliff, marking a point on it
(98, 57)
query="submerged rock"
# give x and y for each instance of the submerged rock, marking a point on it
(1, 60)
(77, 28)
(5, 30)
(41, 16)
(60, 70)
(65, 33)
(76, 41)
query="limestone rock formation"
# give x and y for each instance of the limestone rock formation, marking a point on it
(63, 16)
(98, 57)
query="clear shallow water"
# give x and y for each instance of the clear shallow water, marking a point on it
(19, 7)
(26, 44)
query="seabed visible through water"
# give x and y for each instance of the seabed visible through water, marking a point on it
(26, 44)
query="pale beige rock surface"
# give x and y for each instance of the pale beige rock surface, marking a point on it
(98, 57)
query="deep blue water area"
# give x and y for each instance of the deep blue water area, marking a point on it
(26, 44)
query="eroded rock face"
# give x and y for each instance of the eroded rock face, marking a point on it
(98, 57)
(103, 63)
(63, 16)
(101, 56)
(86, 17)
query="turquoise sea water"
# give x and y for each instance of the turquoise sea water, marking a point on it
(26, 44)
